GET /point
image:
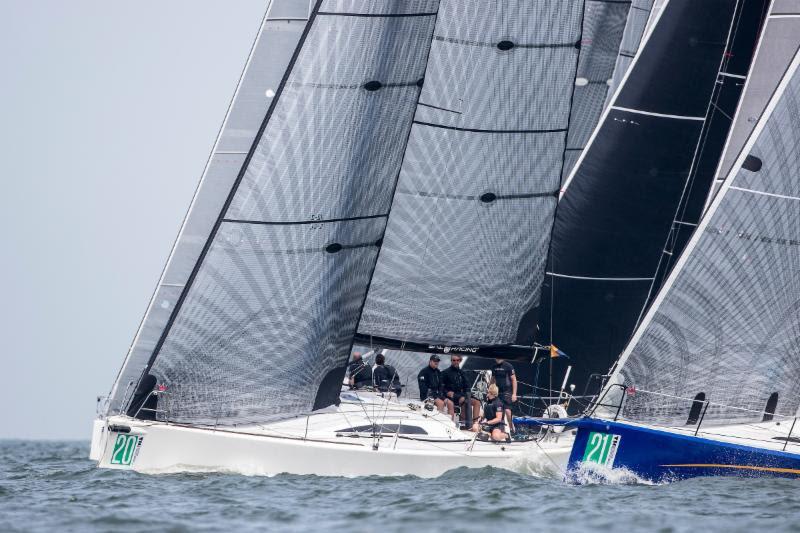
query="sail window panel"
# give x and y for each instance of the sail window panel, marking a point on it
(603, 26)
(161, 306)
(656, 154)
(781, 40)
(730, 323)
(289, 9)
(508, 77)
(786, 7)
(466, 64)
(218, 179)
(686, 33)
(270, 314)
(268, 62)
(379, 7)
(444, 163)
(524, 22)
(457, 270)
(527, 93)
(778, 149)
(332, 148)
(638, 14)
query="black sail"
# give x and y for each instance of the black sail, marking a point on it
(619, 206)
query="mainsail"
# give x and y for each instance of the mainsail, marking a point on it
(263, 325)
(511, 89)
(726, 327)
(620, 202)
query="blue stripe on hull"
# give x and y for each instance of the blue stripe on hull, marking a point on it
(658, 456)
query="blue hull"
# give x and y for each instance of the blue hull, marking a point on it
(661, 456)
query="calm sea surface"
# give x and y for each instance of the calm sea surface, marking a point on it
(52, 486)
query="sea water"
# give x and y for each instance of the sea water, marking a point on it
(52, 486)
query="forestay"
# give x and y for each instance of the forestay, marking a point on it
(508, 84)
(726, 327)
(264, 326)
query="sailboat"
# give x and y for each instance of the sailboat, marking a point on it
(387, 174)
(708, 385)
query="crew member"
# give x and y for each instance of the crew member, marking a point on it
(430, 383)
(384, 377)
(455, 387)
(505, 379)
(359, 372)
(492, 421)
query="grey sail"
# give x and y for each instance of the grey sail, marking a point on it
(726, 326)
(463, 255)
(275, 42)
(263, 327)
(780, 41)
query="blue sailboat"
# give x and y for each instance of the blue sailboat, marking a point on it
(708, 384)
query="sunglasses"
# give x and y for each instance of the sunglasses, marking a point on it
(455, 360)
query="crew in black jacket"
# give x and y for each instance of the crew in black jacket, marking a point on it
(430, 383)
(359, 372)
(455, 386)
(385, 376)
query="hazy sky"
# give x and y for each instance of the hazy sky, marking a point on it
(109, 110)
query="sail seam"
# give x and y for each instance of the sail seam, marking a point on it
(466, 42)
(475, 130)
(375, 15)
(478, 197)
(743, 189)
(592, 278)
(300, 222)
(654, 114)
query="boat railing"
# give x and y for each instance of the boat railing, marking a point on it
(158, 394)
(627, 392)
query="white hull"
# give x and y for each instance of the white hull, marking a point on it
(315, 445)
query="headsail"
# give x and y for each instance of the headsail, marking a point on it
(619, 204)
(507, 85)
(781, 40)
(264, 326)
(726, 327)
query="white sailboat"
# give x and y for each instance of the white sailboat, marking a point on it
(387, 172)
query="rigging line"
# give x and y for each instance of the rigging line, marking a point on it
(680, 211)
(440, 108)
(654, 114)
(592, 278)
(550, 258)
(476, 130)
(231, 194)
